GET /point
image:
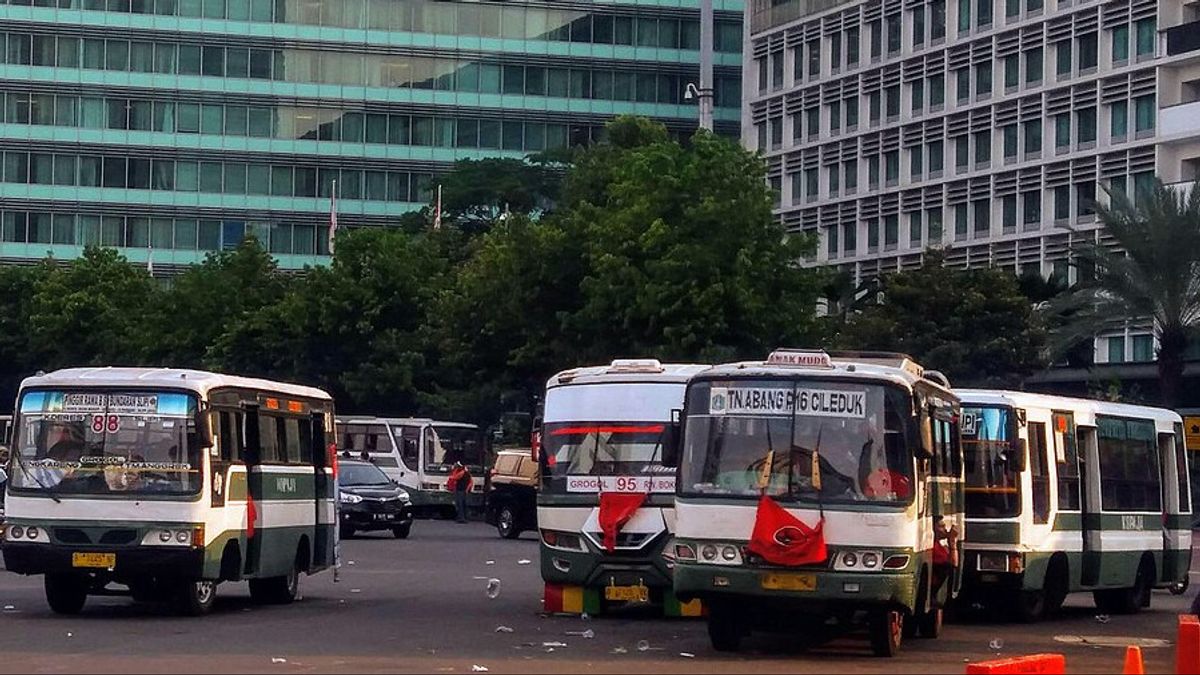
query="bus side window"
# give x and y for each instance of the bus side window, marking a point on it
(289, 435)
(269, 439)
(1181, 471)
(410, 447)
(1066, 454)
(229, 442)
(1039, 471)
(305, 431)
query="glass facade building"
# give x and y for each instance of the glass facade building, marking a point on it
(180, 126)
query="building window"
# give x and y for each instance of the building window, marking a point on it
(1062, 53)
(1062, 130)
(1087, 52)
(937, 20)
(831, 241)
(962, 154)
(1012, 8)
(851, 176)
(937, 91)
(891, 167)
(852, 112)
(1116, 349)
(873, 107)
(835, 116)
(1085, 119)
(914, 229)
(891, 232)
(936, 157)
(962, 85)
(961, 226)
(918, 96)
(1031, 206)
(516, 144)
(835, 51)
(1120, 43)
(1034, 5)
(872, 235)
(984, 9)
(1146, 29)
(983, 79)
(852, 47)
(983, 218)
(1012, 71)
(1008, 208)
(983, 148)
(876, 36)
(813, 122)
(1033, 66)
(1062, 203)
(892, 102)
(918, 24)
(814, 58)
(873, 172)
(1010, 141)
(1144, 114)
(834, 179)
(1085, 198)
(893, 34)
(1119, 114)
(1033, 137)
(811, 188)
(777, 70)
(964, 16)
(933, 227)
(1143, 348)
(850, 238)
(916, 162)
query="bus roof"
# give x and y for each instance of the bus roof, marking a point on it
(199, 381)
(895, 368)
(1025, 399)
(401, 421)
(628, 370)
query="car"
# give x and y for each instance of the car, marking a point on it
(511, 500)
(370, 501)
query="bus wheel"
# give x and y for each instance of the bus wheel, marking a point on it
(886, 628)
(1029, 606)
(1058, 584)
(724, 631)
(506, 523)
(195, 598)
(277, 590)
(65, 593)
(929, 624)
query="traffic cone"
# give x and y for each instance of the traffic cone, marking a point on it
(1133, 661)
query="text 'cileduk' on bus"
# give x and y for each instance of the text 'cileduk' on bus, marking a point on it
(1067, 495)
(816, 487)
(168, 482)
(606, 454)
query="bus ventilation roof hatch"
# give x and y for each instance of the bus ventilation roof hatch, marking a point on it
(635, 366)
(888, 359)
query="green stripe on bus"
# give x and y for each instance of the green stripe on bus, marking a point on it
(993, 533)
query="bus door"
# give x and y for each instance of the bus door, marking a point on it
(323, 489)
(252, 455)
(408, 442)
(1068, 465)
(1175, 505)
(1089, 470)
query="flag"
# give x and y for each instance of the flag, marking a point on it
(150, 260)
(616, 508)
(782, 539)
(251, 513)
(437, 210)
(332, 216)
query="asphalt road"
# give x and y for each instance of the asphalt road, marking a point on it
(420, 605)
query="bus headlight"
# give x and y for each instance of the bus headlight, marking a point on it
(708, 552)
(870, 560)
(16, 532)
(729, 553)
(165, 536)
(564, 541)
(31, 533)
(858, 561)
(183, 537)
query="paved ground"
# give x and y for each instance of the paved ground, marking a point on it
(419, 605)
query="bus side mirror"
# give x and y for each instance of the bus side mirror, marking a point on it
(924, 449)
(251, 447)
(203, 428)
(1019, 460)
(319, 452)
(670, 440)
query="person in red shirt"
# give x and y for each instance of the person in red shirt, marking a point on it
(459, 483)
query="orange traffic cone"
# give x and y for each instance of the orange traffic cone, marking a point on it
(1133, 661)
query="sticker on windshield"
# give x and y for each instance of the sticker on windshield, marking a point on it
(970, 423)
(774, 401)
(582, 483)
(116, 403)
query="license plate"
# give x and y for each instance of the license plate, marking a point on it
(104, 561)
(789, 582)
(385, 516)
(627, 593)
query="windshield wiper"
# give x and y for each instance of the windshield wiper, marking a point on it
(45, 488)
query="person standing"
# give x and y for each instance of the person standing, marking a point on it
(459, 483)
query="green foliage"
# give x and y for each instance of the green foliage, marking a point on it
(478, 191)
(973, 325)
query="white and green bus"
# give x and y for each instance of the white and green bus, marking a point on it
(609, 429)
(162, 483)
(1067, 495)
(418, 453)
(862, 447)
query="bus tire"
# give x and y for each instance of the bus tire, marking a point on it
(1028, 606)
(1057, 584)
(65, 593)
(506, 523)
(402, 531)
(1135, 599)
(886, 629)
(345, 532)
(195, 598)
(277, 590)
(724, 631)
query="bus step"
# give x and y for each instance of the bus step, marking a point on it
(560, 599)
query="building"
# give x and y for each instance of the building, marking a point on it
(985, 127)
(169, 128)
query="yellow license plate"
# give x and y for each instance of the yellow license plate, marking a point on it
(104, 561)
(789, 582)
(627, 593)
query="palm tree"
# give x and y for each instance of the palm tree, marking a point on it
(1152, 273)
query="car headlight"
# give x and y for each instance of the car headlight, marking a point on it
(403, 495)
(347, 498)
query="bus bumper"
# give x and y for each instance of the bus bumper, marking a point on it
(595, 569)
(831, 591)
(131, 562)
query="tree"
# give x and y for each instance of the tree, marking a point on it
(1152, 271)
(478, 191)
(91, 311)
(206, 299)
(18, 351)
(974, 325)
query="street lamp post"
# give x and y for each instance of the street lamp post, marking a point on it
(704, 92)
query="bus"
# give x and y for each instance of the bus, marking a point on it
(166, 482)
(418, 453)
(1067, 495)
(605, 431)
(819, 488)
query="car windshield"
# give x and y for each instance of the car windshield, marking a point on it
(445, 445)
(361, 474)
(992, 485)
(603, 449)
(798, 440)
(89, 442)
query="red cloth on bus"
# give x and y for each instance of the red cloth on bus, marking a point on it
(616, 508)
(251, 515)
(782, 539)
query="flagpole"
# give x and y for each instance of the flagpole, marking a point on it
(333, 224)
(437, 209)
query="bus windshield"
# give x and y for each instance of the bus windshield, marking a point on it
(91, 443)
(603, 449)
(993, 485)
(747, 438)
(446, 445)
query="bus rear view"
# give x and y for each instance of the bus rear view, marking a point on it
(605, 507)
